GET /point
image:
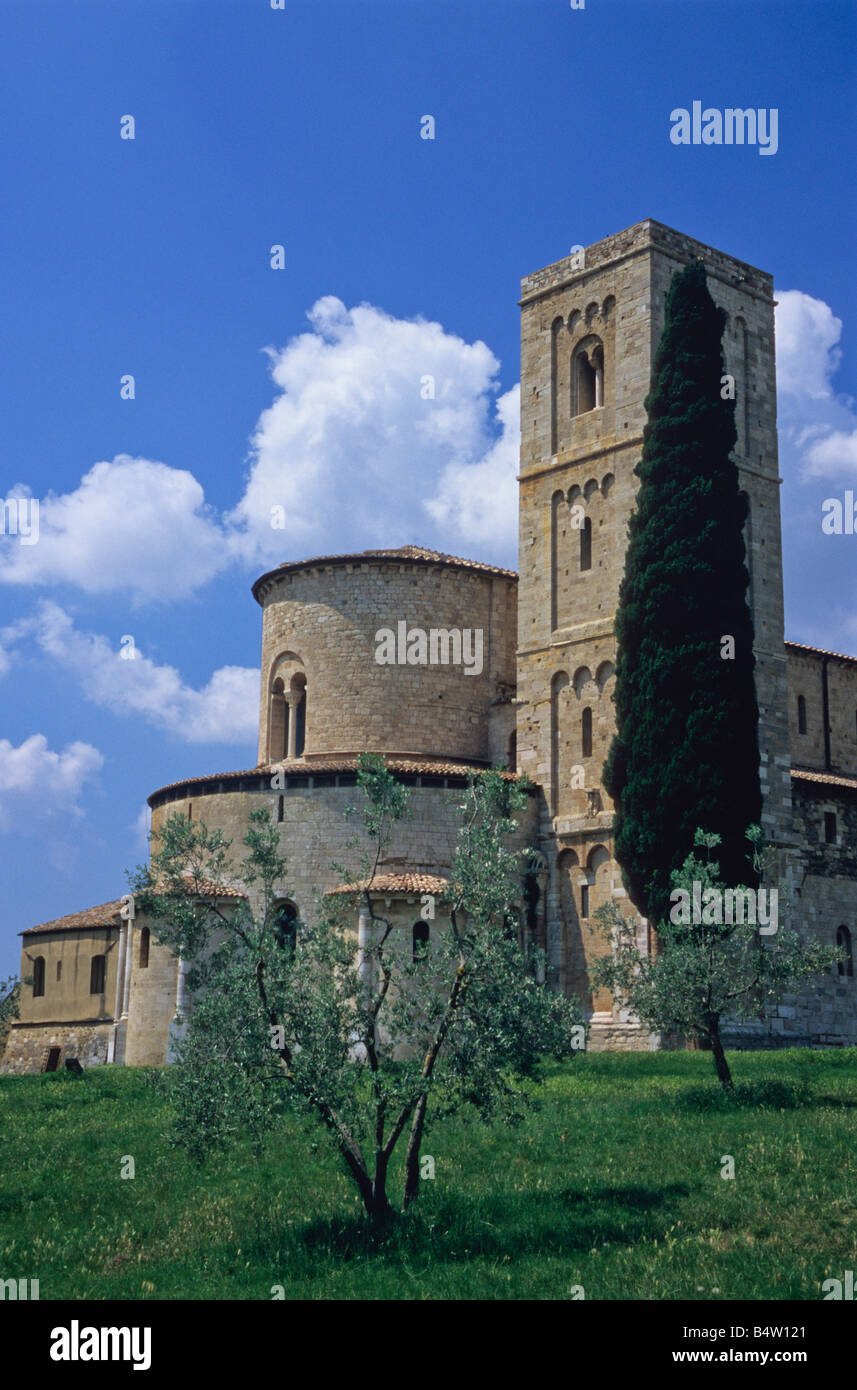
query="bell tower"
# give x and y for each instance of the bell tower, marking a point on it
(590, 328)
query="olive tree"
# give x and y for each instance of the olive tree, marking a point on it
(707, 966)
(371, 1041)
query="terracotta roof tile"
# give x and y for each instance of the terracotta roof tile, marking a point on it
(416, 554)
(104, 915)
(395, 883)
(333, 764)
(108, 914)
(830, 779)
(819, 651)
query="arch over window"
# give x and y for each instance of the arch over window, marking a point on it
(587, 376)
(38, 977)
(143, 958)
(801, 714)
(559, 682)
(285, 924)
(604, 674)
(586, 733)
(287, 714)
(420, 935)
(845, 965)
(97, 974)
(586, 544)
(582, 677)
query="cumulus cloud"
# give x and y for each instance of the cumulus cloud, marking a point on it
(479, 501)
(226, 710)
(808, 334)
(36, 782)
(817, 426)
(385, 432)
(132, 524)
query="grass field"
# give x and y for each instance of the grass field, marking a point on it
(613, 1182)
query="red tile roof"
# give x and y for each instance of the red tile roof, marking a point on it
(104, 915)
(302, 767)
(108, 914)
(819, 651)
(396, 883)
(830, 779)
(412, 554)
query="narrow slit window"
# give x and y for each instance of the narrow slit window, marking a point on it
(97, 974)
(586, 734)
(845, 965)
(419, 939)
(586, 544)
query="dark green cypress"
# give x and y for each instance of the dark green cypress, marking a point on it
(686, 750)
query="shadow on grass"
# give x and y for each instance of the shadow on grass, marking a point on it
(564, 1222)
(753, 1095)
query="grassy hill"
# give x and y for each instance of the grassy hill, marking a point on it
(613, 1183)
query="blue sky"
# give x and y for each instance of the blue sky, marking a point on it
(299, 387)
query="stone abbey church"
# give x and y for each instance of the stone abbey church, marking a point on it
(104, 990)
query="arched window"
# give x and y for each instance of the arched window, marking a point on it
(38, 977)
(584, 379)
(845, 964)
(587, 375)
(285, 924)
(298, 687)
(419, 939)
(586, 733)
(586, 544)
(143, 958)
(97, 974)
(801, 714)
(279, 736)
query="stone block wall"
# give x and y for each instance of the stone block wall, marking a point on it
(822, 680)
(27, 1045)
(320, 622)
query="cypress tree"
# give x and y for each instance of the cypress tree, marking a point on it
(686, 753)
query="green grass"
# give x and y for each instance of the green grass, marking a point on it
(612, 1182)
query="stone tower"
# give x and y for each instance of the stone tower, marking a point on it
(590, 328)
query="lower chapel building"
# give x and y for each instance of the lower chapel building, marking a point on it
(539, 700)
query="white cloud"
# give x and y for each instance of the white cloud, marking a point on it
(37, 783)
(226, 710)
(131, 525)
(141, 827)
(817, 426)
(808, 335)
(479, 501)
(357, 458)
